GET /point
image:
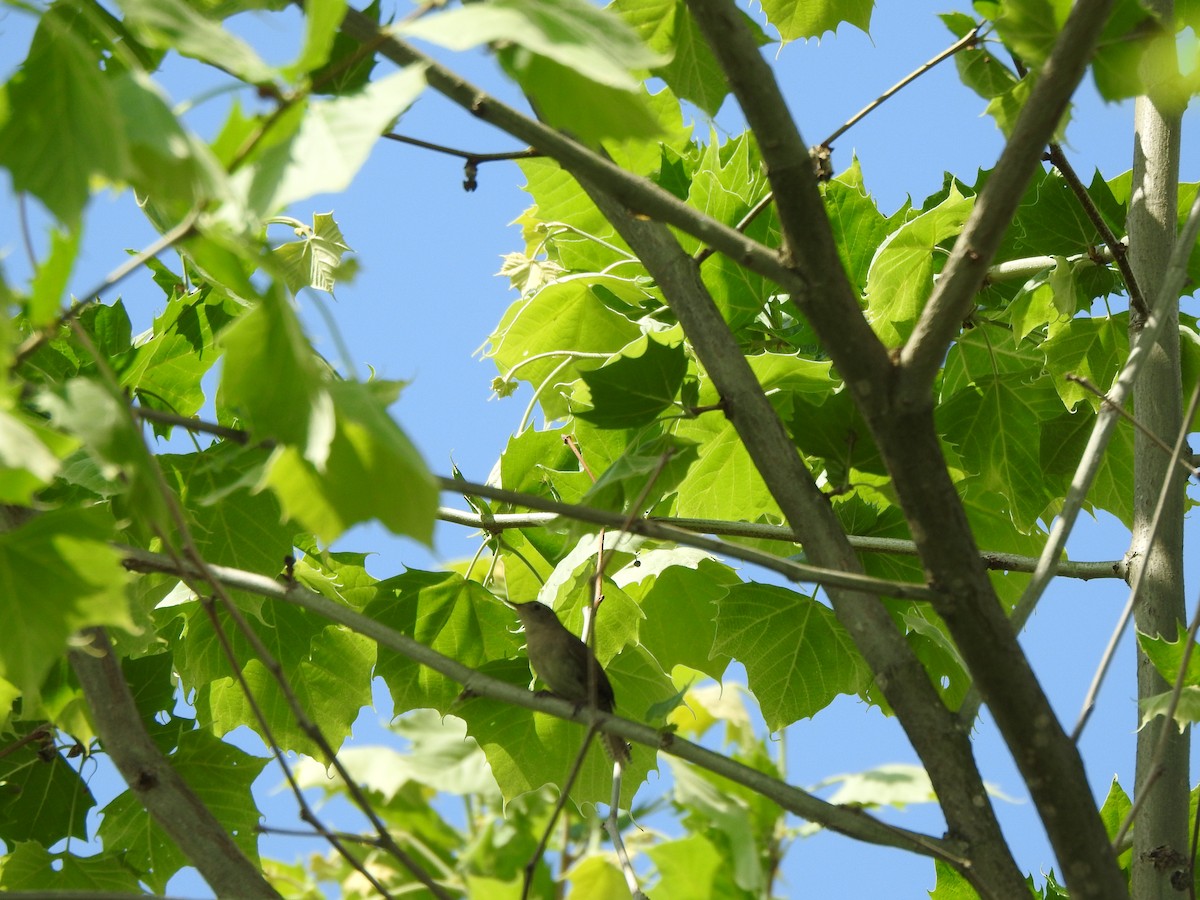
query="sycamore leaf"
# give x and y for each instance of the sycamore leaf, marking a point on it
(48, 295)
(30, 867)
(1167, 656)
(579, 36)
(723, 482)
(331, 143)
(678, 591)
(38, 614)
(373, 471)
(174, 25)
(995, 427)
(696, 862)
(312, 261)
(59, 124)
(900, 279)
(44, 800)
(457, 618)
(798, 657)
(1187, 712)
(220, 775)
(28, 460)
(813, 18)
(637, 387)
(564, 316)
(591, 111)
(527, 750)
(667, 27)
(273, 381)
(321, 21)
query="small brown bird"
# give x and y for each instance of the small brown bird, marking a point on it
(562, 661)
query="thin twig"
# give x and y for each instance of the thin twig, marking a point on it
(1089, 701)
(237, 435)
(795, 571)
(993, 559)
(845, 820)
(527, 153)
(563, 796)
(310, 728)
(115, 277)
(1181, 457)
(1089, 461)
(1115, 246)
(965, 42)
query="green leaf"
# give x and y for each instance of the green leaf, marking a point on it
(894, 784)
(900, 279)
(327, 666)
(812, 18)
(1092, 348)
(220, 775)
(313, 260)
(173, 168)
(646, 472)
(1030, 27)
(29, 867)
(373, 471)
(679, 590)
(1113, 813)
(348, 68)
(730, 822)
(723, 483)
(798, 658)
(577, 35)
(668, 28)
(62, 126)
(565, 317)
(43, 798)
(590, 244)
(457, 618)
(232, 524)
(273, 381)
(951, 885)
(1167, 656)
(174, 25)
(29, 457)
(1186, 713)
(321, 21)
(588, 110)
(89, 411)
(858, 225)
(38, 614)
(978, 69)
(692, 868)
(527, 750)
(637, 387)
(332, 143)
(995, 427)
(165, 371)
(47, 298)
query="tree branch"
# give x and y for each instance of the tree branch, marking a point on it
(828, 300)
(853, 580)
(997, 203)
(849, 821)
(993, 559)
(634, 192)
(933, 730)
(158, 787)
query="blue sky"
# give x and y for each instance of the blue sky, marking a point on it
(427, 297)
